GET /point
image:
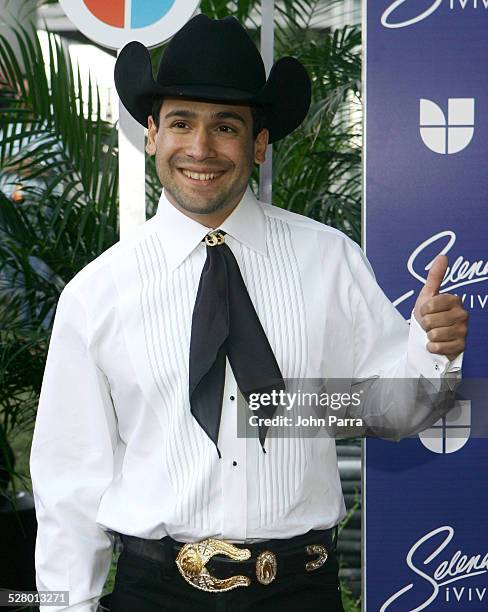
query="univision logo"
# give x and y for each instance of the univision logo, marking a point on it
(450, 433)
(451, 135)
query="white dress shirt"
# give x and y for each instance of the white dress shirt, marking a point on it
(115, 445)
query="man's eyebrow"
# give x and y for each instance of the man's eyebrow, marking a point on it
(220, 115)
(177, 112)
(229, 115)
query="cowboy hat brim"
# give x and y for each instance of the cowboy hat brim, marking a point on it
(284, 99)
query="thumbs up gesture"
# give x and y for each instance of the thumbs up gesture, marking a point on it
(443, 317)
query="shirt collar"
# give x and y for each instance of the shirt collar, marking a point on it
(181, 234)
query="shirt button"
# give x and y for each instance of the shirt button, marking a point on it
(436, 367)
(234, 463)
(232, 398)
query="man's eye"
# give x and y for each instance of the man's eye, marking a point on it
(180, 125)
(227, 129)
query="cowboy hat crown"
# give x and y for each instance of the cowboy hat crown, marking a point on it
(215, 60)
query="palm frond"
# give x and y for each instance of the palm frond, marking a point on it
(54, 143)
(317, 169)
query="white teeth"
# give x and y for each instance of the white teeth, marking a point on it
(199, 176)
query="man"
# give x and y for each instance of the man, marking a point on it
(156, 343)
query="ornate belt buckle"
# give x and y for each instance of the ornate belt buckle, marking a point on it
(266, 567)
(215, 238)
(316, 549)
(193, 557)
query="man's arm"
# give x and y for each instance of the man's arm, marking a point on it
(72, 462)
(405, 380)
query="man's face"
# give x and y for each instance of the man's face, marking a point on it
(204, 154)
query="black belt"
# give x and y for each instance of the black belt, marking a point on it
(218, 559)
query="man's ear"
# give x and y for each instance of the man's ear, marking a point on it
(260, 145)
(152, 132)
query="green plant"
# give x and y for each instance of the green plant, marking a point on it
(317, 169)
(350, 602)
(53, 143)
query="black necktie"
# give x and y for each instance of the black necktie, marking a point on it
(225, 323)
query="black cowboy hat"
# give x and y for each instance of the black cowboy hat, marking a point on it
(215, 60)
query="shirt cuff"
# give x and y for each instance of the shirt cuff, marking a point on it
(428, 364)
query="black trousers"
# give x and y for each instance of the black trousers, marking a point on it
(144, 585)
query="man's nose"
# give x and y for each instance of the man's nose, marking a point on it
(200, 145)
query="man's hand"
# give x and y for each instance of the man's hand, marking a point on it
(443, 317)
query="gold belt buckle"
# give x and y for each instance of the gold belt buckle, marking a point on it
(316, 549)
(194, 556)
(266, 567)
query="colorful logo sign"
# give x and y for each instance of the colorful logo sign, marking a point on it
(135, 13)
(115, 23)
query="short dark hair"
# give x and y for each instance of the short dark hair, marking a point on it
(258, 120)
(258, 116)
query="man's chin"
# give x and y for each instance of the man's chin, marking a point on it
(200, 206)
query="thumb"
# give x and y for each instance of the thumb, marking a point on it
(435, 277)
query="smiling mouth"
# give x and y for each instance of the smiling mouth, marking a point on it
(204, 177)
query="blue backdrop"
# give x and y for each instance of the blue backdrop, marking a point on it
(426, 192)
